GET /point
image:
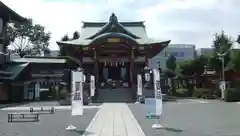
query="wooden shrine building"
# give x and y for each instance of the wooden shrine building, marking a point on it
(113, 51)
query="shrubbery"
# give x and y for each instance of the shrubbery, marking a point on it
(232, 94)
(182, 92)
(202, 93)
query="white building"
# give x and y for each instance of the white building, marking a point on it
(205, 51)
(182, 52)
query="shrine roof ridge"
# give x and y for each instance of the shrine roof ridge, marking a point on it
(101, 24)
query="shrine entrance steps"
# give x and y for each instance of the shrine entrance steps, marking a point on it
(114, 95)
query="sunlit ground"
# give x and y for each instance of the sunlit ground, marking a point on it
(180, 118)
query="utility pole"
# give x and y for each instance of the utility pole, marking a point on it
(222, 85)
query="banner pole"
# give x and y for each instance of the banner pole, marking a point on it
(76, 95)
(158, 99)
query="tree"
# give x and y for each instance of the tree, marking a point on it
(234, 63)
(62, 49)
(171, 66)
(221, 44)
(238, 39)
(193, 67)
(171, 63)
(65, 38)
(27, 38)
(76, 35)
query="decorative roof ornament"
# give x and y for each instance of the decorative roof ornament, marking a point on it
(113, 18)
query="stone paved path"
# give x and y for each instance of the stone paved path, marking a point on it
(114, 119)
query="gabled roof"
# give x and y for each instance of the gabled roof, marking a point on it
(91, 30)
(113, 26)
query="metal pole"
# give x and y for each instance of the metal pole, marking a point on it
(223, 73)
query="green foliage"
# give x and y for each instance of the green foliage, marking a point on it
(222, 42)
(27, 38)
(76, 35)
(62, 49)
(193, 67)
(232, 94)
(201, 92)
(182, 92)
(171, 63)
(234, 63)
(238, 39)
(65, 38)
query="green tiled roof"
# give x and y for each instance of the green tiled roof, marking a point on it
(90, 29)
(16, 69)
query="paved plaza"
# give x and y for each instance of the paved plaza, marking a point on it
(180, 118)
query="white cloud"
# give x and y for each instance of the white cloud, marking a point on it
(182, 21)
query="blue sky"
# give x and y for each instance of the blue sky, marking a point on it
(182, 21)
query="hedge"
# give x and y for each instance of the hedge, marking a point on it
(232, 94)
(202, 93)
(182, 92)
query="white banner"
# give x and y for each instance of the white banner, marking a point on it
(158, 93)
(92, 86)
(77, 93)
(139, 89)
(84, 78)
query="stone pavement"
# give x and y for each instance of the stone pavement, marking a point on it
(114, 119)
(198, 118)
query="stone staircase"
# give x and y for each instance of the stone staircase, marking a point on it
(114, 95)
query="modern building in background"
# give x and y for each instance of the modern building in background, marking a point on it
(182, 52)
(205, 51)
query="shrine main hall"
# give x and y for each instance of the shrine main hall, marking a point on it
(113, 51)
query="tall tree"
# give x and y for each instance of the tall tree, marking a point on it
(26, 39)
(222, 43)
(76, 35)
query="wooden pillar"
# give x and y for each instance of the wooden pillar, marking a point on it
(146, 59)
(81, 57)
(96, 71)
(133, 74)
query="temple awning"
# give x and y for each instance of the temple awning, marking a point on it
(13, 71)
(40, 60)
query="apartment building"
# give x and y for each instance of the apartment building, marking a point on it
(182, 52)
